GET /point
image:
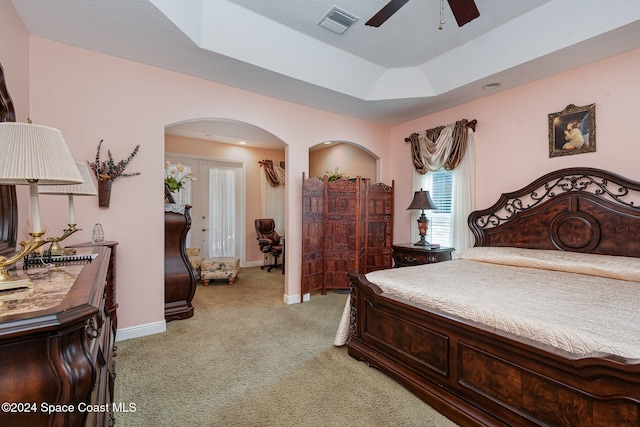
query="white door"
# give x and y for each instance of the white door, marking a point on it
(224, 220)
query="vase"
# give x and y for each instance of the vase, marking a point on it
(104, 193)
(168, 194)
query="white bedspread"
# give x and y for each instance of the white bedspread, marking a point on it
(580, 303)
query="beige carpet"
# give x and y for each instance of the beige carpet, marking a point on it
(247, 359)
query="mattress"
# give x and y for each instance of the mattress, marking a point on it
(580, 303)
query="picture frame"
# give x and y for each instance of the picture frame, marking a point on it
(572, 131)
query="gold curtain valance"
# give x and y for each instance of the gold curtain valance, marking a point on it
(274, 172)
(442, 146)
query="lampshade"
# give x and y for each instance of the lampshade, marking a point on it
(421, 200)
(34, 152)
(87, 188)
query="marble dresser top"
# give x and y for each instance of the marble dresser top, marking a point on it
(51, 285)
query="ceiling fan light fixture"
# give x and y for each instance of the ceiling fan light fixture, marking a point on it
(337, 20)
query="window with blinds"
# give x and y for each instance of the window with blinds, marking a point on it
(440, 185)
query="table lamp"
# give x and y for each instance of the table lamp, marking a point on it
(87, 188)
(422, 201)
(32, 154)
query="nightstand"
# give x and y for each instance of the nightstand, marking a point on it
(407, 254)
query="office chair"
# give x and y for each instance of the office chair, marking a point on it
(269, 241)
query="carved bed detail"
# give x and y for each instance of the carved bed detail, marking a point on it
(579, 210)
(477, 375)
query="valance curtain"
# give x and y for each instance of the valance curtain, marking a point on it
(450, 147)
(272, 187)
(274, 172)
(443, 146)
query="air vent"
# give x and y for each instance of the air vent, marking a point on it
(337, 20)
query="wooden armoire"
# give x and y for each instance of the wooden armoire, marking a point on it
(347, 225)
(179, 276)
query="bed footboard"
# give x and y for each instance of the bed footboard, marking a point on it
(480, 376)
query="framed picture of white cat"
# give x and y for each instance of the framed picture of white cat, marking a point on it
(572, 131)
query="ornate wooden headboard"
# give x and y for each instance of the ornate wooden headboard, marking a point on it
(8, 201)
(573, 209)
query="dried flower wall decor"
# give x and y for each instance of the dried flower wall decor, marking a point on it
(108, 170)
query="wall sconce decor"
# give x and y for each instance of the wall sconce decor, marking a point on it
(32, 154)
(85, 189)
(106, 171)
(422, 201)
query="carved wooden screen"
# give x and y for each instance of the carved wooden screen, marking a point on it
(313, 191)
(8, 200)
(345, 234)
(346, 226)
(379, 227)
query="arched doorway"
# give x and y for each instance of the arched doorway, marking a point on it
(209, 143)
(343, 157)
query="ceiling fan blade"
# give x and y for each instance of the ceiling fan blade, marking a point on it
(465, 11)
(385, 13)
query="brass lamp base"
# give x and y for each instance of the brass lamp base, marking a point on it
(7, 282)
(55, 248)
(15, 284)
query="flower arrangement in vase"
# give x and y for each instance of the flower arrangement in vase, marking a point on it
(175, 177)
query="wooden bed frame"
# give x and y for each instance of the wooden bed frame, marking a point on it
(477, 375)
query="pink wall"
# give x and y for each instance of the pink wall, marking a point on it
(512, 143)
(251, 157)
(14, 57)
(90, 96)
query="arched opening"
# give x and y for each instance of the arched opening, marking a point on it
(340, 217)
(207, 144)
(343, 158)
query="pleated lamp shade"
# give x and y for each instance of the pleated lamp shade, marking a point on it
(87, 188)
(33, 152)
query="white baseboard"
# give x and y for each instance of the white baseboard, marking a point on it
(295, 299)
(141, 331)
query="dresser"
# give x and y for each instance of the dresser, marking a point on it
(110, 301)
(57, 346)
(408, 254)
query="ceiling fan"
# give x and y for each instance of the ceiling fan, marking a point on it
(465, 11)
